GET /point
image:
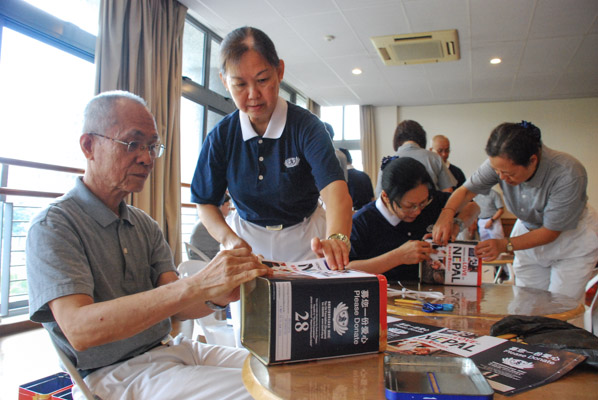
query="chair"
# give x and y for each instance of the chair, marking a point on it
(503, 261)
(193, 251)
(591, 306)
(70, 368)
(214, 327)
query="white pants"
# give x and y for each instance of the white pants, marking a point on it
(564, 265)
(495, 231)
(289, 244)
(181, 369)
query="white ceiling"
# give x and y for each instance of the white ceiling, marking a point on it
(549, 48)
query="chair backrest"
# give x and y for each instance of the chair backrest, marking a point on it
(191, 267)
(75, 376)
(216, 331)
(193, 252)
(591, 303)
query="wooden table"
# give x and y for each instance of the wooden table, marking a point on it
(362, 377)
(477, 308)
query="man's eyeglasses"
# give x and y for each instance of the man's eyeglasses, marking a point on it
(415, 207)
(156, 150)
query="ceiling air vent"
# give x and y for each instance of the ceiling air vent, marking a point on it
(418, 48)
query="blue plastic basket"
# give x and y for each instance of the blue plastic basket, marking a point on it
(57, 386)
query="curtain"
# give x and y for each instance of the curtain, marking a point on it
(313, 107)
(368, 142)
(139, 49)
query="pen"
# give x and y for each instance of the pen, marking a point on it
(408, 301)
(428, 307)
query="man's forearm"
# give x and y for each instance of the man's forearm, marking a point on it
(87, 324)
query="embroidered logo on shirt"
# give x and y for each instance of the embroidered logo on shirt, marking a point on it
(291, 162)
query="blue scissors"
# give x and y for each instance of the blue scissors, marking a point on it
(430, 307)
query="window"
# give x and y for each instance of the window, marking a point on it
(215, 83)
(345, 122)
(82, 13)
(46, 76)
(203, 105)
(193, 51)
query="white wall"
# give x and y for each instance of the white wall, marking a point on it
(567, 125)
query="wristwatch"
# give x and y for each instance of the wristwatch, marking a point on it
(342, 237)
(215, 307)
(510, 248)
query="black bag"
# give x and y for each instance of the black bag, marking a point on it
(551, 333)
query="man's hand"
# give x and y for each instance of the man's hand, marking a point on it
(219, 281)
(335, 251)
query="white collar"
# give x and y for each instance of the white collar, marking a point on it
(391, 218)
(275, 127)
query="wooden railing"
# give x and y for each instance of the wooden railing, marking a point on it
(35, 165)
(9, 305)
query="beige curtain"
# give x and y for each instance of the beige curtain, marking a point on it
(368, 142)
(313, 107)
(139, 49)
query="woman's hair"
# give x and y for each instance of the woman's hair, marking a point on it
(241, 40)
(515, 141)
(402, 175)
(409, 130)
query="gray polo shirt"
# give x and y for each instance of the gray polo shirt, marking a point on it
(555, 197)
(79, 246)
(489, 203)
(440, 174)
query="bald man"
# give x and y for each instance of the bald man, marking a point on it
(442, 146)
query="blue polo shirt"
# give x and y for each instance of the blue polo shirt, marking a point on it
(374, 234)
(273, 181)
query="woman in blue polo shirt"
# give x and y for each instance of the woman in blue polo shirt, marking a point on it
(387, 234)
(555, 238)
(277, 161)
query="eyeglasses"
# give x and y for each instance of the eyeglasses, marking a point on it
(156, 150)
(414, 208)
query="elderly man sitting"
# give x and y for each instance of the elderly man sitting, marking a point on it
(102, 278)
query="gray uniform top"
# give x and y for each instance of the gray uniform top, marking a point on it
(440, 174)
(201, 238)
(555, 197)
(79, 246)
(489, 204)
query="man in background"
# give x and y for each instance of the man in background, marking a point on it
(491, 209)
(442, 146)
(360, 184)
(342, 160)
(410, 140)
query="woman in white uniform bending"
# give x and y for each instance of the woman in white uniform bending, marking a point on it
(555, 238)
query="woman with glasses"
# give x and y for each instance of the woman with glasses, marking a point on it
(387, 236)
(277, 161)
(555, 238)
